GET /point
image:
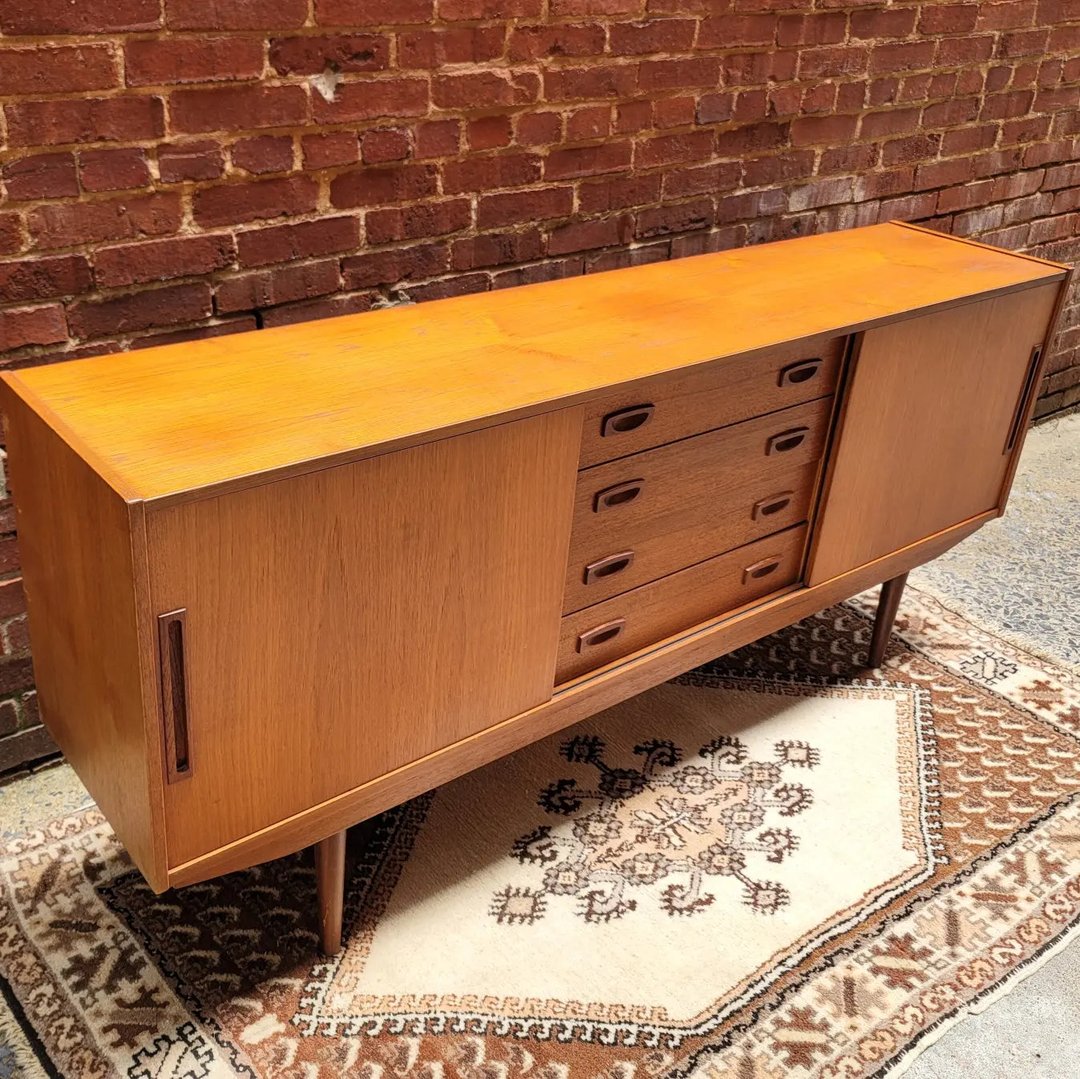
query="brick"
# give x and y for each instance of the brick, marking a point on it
(29, 280)
(461, 285)
(857, 159)
(200, 159)
(485, 89)
(832, 62)
(283, 284)
(10, 233)
(438, 138)
(235, 14)
(832, 130)
(587, 160)
(820, 193)
(700, 71)
(820, 28)
(490, 173)
(619, 193)
(715, 108)
(759, 68)
(592, 122)
(263, 154)
(673, 149)
(340, 52)
(308, 310)
(965, 196)
(325, 151)
(634, 116)
(432, 49)
(169, 61)
(517, 207)
(60, 70)
(393, 267)
(584, 83)
(489, 132)
(28, 745)
(657, 35)
(779, 168)
(551, 270)
(71, 224)
(233, 204)
(113, 170)
(140, 310)
(956, 170)
(752, 139)
(569, 8)
(456, 10)
(877, 125)
(42, 176)
(701, 180)
(969, 49)
(678, 217)
(674, 111)
(542, 42)
(538, 128)
(374, 187)
(948, 18)
(221, 328)
(496, 249)
(913, 149)
(84, 17)
(418, 221)
(85, 120)
(362, 13)
(373, 100)
(1004, 106)
(162, 260)
(1025, 43)
(1006, 16)
(304, 240)
(1061, 176)
(906, 56)
(883, 23)
(22, 326)
(383, 145)
(236, 108)
(585, 235)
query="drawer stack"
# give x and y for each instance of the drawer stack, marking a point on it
(692, 499)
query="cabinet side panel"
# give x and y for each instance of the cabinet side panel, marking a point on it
(924, 439)
(342, 624)
(75, 543)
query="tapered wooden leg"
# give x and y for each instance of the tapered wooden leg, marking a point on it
(330, 881)
(891, 591)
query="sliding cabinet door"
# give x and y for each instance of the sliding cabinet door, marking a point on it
(332, 627)
(933, 415)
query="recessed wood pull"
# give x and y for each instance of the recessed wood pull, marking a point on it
(766, 507)
(619, 495)
(786, 440)
(625, 420)
(1025, 399)
(761, 569)
(600, 634)
(171, 629)
(605, 567)
(802, 371)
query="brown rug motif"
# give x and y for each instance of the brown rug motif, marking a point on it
(772, 866)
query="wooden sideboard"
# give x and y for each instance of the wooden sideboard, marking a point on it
(281, 581)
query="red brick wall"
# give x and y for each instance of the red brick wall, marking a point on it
(177, 168)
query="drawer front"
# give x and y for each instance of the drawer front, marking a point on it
(610, 630)
(642, 517)
(662, 410)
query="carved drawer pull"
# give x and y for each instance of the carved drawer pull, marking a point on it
(786, 440)
(761, 569)
(600, 634)
(606, 567)
(619, 495)
(625, 420)
(174, 711)
(802, 371)
(766, 507)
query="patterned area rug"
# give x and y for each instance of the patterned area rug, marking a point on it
(769, 867)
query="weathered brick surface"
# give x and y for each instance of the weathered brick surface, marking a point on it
(175, 169)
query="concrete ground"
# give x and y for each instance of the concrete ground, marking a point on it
(1019, 576)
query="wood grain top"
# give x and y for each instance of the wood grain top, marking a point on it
(209, 415)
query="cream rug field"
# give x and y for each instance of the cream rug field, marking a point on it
(773, 866)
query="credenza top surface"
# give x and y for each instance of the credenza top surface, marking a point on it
(162, 423)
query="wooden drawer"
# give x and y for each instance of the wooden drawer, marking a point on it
(661, 410)
(642, 517)
(607, 631)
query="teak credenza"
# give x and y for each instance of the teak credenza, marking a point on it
(281, 581)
